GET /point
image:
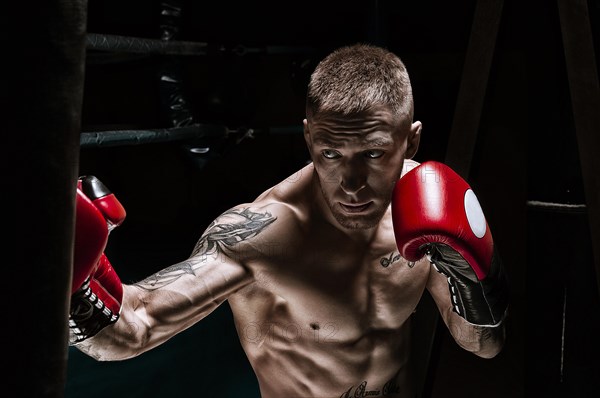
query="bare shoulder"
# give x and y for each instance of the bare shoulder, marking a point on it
(293, 191)
(241, 231)
(247, 230)
(288, 201)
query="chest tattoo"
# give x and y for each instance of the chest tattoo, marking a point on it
(389, 260)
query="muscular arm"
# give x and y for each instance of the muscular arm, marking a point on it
(173, 299)
(485, 342)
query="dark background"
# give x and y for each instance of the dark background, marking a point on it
(253, 75)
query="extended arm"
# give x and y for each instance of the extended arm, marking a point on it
(165, 304)
(173, 299)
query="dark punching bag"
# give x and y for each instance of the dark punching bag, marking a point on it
(43, 65)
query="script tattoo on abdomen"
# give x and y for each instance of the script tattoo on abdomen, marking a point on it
(218, 237)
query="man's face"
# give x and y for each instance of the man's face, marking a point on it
(358, 160)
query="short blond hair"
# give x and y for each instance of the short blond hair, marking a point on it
(356, 78)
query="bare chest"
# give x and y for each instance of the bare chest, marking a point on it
(341, 295)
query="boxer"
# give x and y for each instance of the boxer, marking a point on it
(323, 270)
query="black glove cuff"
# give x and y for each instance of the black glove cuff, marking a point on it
(479, 302)
(88, 314)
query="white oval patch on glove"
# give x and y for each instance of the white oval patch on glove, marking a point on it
(474, 214)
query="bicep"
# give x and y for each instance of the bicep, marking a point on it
(189, 290)
(216, 273)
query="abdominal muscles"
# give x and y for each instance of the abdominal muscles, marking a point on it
(324, 360)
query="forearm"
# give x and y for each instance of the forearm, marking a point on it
(143, 326)
(483, 341)
(164, 304)
(147, 319)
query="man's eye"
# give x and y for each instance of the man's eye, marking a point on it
(374, 154)
(329, 154)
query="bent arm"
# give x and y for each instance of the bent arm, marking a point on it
(173, 299)
(483, 341)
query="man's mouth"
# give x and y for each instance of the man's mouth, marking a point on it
(355, 208)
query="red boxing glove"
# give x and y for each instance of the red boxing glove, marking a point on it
(96, 290)
(97, 213)
(104, 200)
(436, 213)
(91, 236)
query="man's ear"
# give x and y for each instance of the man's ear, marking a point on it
(306, 133)
(307, 137)
(413, 139)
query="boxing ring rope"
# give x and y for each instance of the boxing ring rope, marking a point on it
(192, 132)
(184, 126)
(557, 207)
(139, 45)
(137, 137)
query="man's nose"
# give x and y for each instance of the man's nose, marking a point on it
(353, 179)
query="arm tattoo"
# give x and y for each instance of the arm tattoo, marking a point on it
(218, 237)
(221, 235)
(168, 275)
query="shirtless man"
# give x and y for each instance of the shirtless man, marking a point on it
(323, 270)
